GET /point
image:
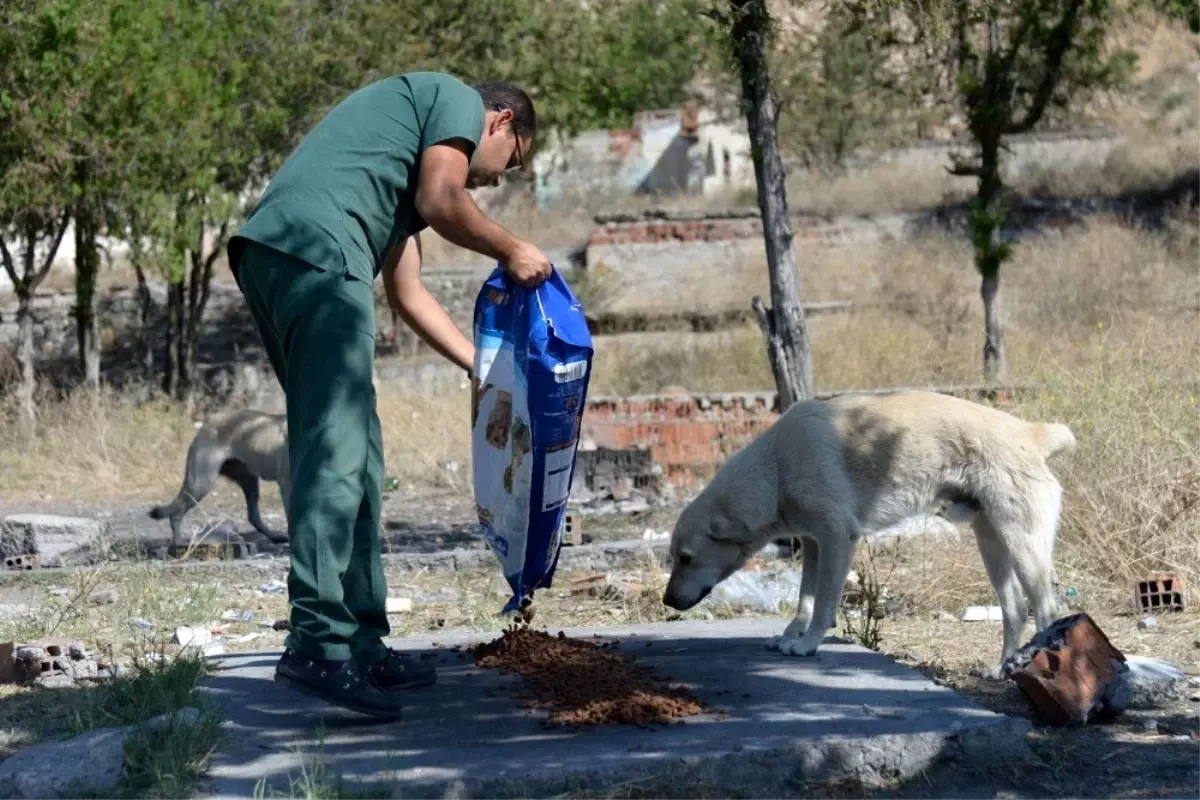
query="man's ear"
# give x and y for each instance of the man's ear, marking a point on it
(503, 117)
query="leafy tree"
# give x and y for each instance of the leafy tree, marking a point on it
(40, 99)
(1011, 63)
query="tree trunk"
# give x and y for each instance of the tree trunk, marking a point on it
(25, 283)
(145, 319)
(87, 327)
(987, 218)
(26, 391)
(170, 345)
(783, 325)
(995, 366)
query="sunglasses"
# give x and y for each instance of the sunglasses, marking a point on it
(520, 156)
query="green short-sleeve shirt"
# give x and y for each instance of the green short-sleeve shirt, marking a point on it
(347, 193)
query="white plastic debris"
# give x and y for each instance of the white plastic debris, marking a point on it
(273, 587)
(144, 624)
(1145, 623)
(192, 636)
(399, 605)
(651, 535)
(760, 591)
(238, 616)
(982, 614)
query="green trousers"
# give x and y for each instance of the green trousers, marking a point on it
(318, 328)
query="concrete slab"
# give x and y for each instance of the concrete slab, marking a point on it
(849, 712)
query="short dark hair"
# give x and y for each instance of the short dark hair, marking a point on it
(500, 95)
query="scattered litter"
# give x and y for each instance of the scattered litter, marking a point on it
(273, 587)
(238, 616)
(399, 605)
(982, 614)
(1145, 623)
(213, 649)
(56, 592)
(945, 616)
(651, 535)
(144, 624)
(192, 636)
(760, 591)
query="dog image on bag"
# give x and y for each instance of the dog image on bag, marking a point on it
(831, 472)
(244, 446)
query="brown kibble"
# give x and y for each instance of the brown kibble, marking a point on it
(584, 683)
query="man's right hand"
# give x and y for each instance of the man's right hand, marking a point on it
(527, 265)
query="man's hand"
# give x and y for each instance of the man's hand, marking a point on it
(443, 202)
(527, 265)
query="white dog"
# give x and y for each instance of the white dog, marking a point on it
(833, 471)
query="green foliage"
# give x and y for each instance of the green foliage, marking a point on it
(590, 66)
(837, 90)
(1186, 10)
(41, 58)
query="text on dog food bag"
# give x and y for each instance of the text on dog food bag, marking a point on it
(533, 359)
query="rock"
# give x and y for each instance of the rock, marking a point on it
(1068, 673)
(57, 541)
(1146, 623)
(1152, 682)
(104, 597)
(89, 764)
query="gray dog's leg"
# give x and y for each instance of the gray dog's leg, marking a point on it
(240, 474)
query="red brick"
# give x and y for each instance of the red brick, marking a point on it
(1065, 681)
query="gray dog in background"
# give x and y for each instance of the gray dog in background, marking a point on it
(244, 446)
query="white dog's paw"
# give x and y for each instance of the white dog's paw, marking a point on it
(793, 646)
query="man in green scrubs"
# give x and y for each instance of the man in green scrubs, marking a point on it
(348, 204)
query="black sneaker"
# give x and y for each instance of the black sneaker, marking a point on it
(394, 672)
(342, 683)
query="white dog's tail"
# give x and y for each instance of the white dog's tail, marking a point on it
(1053, 438)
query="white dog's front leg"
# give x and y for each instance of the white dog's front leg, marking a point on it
(804, 604)
(836, 555)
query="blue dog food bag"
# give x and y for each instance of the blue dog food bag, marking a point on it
(533, 360)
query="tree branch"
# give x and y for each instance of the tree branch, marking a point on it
(44, 269)
(9, 265)
(1060, 41)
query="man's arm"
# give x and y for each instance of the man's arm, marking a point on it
(442, 201)
(419, 309)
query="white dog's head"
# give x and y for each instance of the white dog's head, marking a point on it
(709, 543)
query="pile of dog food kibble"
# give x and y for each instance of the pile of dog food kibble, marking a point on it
(582, 684)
